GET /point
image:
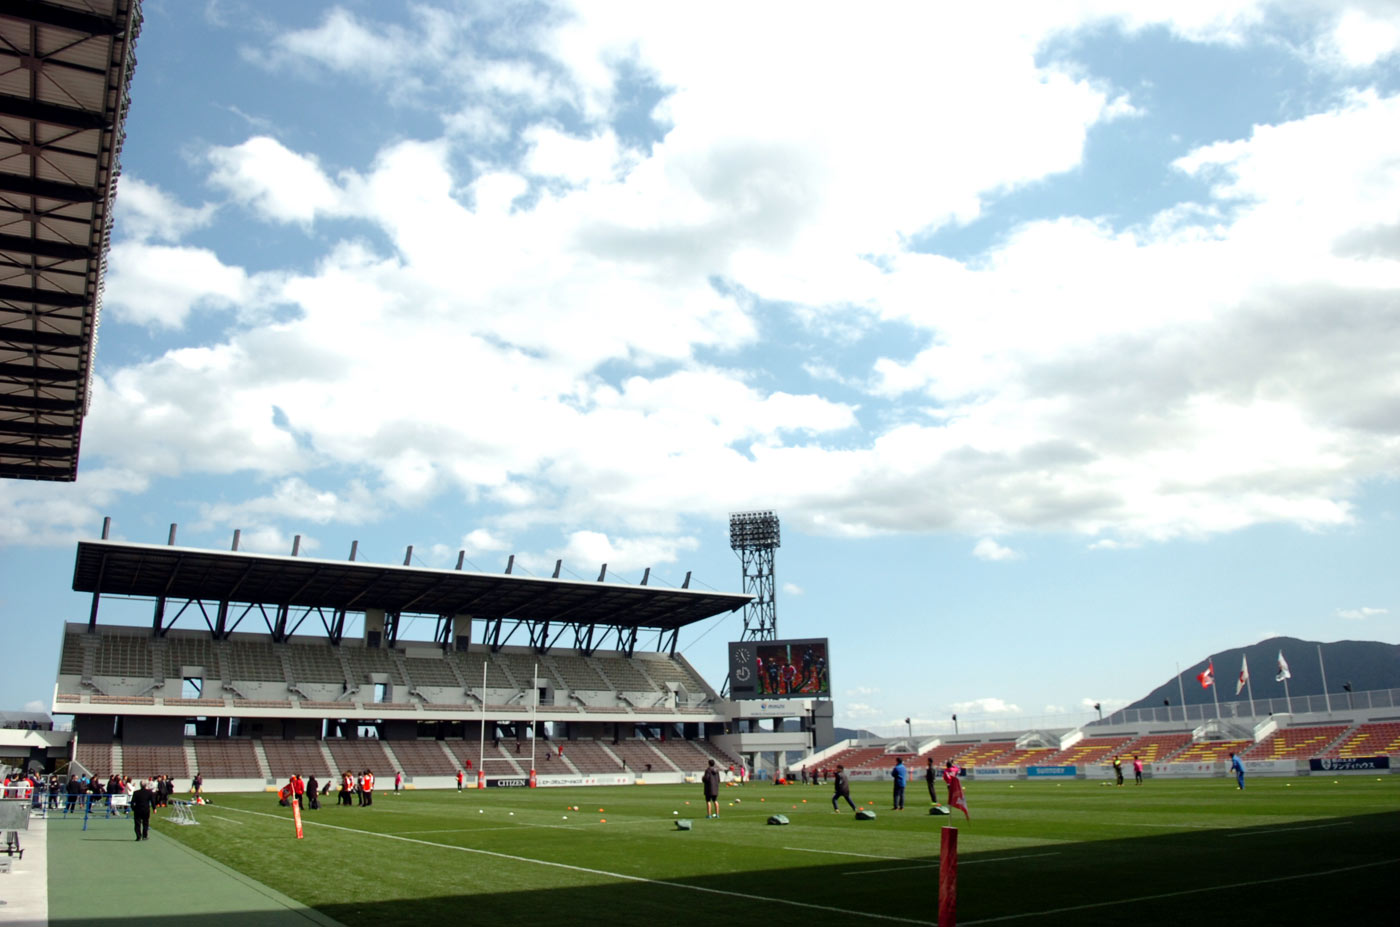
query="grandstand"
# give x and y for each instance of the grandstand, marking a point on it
(248, 707)
(1378, 739)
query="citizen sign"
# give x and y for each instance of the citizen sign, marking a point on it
(507, 783)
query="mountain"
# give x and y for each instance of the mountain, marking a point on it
(1363, 664)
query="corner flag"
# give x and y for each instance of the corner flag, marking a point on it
(1283, 672)
(1244, 675)
(1207, 678)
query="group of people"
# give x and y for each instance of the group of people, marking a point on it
(1137, 769)
(777, 676)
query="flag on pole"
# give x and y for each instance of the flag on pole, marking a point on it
(1244, 675)
(1207, 677)
(1283, 672)
(955, 793)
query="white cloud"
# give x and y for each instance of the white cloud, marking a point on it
(988, 705)
(36, 706)
(989, 549)
(1361, 614)
(144, 211)
(160, 285)
(792, 589)
(276, 182)
(606, 296)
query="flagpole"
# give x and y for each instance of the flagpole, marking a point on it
(1214, 689)
(534, 716)
(1249, 687)
(481, 746)
(1181, 688)
(1327, 698)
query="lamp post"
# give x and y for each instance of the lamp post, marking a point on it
(1099, 708)
(1347, 687)
(909, 724)
(955, 724)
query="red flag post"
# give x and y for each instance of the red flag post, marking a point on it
(296, 815)
(948, 879)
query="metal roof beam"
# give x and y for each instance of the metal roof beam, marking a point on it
(45, 247)
(48, 189)
(38, 339)
(63, 17)
(29, 294)
(27, 429)
(33, 452)
(60, 474)
(38, 403)
(53, 114)
(35, 372)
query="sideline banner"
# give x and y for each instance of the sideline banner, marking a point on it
(507, 782)
(1193, 769)
(1271, 766)
(983, 772)
(1051, 772)
(546, 782)
(1349, 763)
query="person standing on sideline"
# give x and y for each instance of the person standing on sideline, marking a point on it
(710, 779)
(398, 781)
(460, 777)
(141, 803)
(843, 790)
(931, 776)
(1118, 768)
(901, 779)
(1237, 768)
(1137, 769)
(311, 793)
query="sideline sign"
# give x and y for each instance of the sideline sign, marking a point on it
(1348, 763)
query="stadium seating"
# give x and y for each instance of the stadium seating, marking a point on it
(939, 754)
(1210, 751)
(1377, 739)
(1089, 751)
(1155, 748)
(124, 655)
(95, 758)
(226, 759)
(144, 762)
(851, 758)
(591, 757)
(1030, 756)
(1296, 743)
(431, 672)
(314, 663)
(423, 757)
(300, 757)
(988, 754)
(359, 754)
(638, 754)
(686, 755)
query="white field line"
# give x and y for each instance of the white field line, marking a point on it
(844, 853)
(621, 876)
(1284, 830)
(934, 864)
(1186, 891)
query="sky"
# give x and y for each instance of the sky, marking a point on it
(1062, 338)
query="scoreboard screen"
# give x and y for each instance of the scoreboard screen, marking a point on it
(779, 669)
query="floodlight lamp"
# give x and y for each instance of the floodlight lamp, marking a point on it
(753, 531)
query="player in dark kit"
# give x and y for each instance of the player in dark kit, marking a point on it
(142, 800)
(843, 790)
(710, 779)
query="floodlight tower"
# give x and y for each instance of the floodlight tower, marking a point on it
(754, 535)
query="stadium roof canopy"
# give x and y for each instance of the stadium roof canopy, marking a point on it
(65, 72)
(157, 571)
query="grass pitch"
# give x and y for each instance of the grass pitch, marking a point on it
(1075, 852)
